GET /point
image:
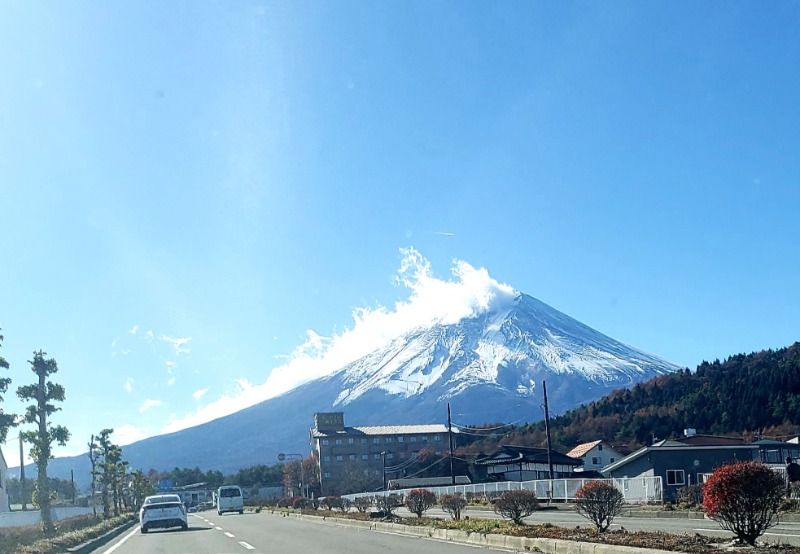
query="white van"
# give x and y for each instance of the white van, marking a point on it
(230, 499)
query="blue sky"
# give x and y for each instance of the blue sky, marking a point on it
(194, 193)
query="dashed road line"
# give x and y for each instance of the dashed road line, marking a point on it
(231, 535)
(247, 546)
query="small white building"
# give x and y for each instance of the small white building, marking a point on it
(595, 455)
(3, 485)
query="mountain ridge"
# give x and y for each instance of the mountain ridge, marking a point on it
(488, 365)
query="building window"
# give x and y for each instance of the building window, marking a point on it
(389, 456)
(327, 475)
(600, 447)
(399, 439)
(325, 442)
(363, 441)
(376, 440)
(388, 439)
(339, 458)
(675, 477)
(402, 455)
(596, 460)
(611, 460)
(352, 457)
(365, 456)
(377, 456)
(326, 458)
(351, 441)
(424, 439)
(338, 441)
(413, 439)
(437, 438)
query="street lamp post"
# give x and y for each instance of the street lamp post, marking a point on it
(383, 459)
(282, 457)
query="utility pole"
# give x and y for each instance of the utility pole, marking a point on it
(22, 473)
(450, 433)
(547, 431)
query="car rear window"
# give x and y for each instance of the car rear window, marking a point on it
(228, 493)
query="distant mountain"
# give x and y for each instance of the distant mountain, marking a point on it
(489, 367)
(745, 396)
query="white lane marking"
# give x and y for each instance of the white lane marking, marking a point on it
(129, 535)
(231, 535)
(212, 524)
(247, 546)
(218, 528)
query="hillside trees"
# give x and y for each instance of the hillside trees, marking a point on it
(43, 393)
(745, 394)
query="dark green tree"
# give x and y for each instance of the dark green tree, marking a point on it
(109, 453)
(6, 420)
(43, 393)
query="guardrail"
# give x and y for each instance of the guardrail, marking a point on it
(636, 490)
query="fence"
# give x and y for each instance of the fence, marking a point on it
(636, 490)
(33, 517)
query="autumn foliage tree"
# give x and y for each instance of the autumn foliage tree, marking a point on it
(599, 502)
(744, 497)
(418, 501)
(453, 504)
(515, 505)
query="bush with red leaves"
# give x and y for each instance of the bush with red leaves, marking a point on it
(418, 501)
(599, 502)
(744, 497)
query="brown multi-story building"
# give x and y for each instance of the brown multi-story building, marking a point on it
(370, 450)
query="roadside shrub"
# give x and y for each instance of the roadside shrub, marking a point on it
(331, 502)
(345, 505)
(599, 502)
(418, 501)
(362, 504)
(299, 503)
(453, 504)
(744, 498)
(515, 505)
(284, 502)
(690, 496)
(388, 503)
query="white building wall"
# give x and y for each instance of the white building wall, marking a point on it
(595, 459)
(3, 484)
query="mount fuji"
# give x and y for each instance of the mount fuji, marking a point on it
(488, 366)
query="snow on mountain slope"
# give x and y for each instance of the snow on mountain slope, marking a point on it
(511, 347)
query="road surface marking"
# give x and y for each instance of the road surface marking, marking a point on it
(218, 528)
(231, 535)
(129, 535)
(247, 546)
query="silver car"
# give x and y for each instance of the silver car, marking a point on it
(162, 511)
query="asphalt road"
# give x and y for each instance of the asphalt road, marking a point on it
(264, 533)
(261, 533)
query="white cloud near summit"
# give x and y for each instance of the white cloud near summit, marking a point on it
(468, 293)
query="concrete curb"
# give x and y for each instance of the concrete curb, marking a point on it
(486, 540)
(96, 543)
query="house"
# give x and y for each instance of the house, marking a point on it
(375, 451)
(681, 462)
(4, 507)
(595, 455)
(524, 463)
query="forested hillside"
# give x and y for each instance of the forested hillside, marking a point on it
(746, 395)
